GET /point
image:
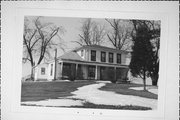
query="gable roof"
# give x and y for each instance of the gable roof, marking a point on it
(99, 47)
(71, 56)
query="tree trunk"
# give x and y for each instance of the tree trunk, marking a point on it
(144, 81)
(154, 79)
(32, 73)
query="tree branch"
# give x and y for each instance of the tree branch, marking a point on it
(111, 40)
(32, 37)
(110, 23)
(78, 43)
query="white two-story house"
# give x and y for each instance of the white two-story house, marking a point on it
(87, 62)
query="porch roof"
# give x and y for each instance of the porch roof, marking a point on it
(92, 63)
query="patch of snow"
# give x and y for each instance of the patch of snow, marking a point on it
(91, 93)
(65, 80)
(140, 81)
(149, 88)
(103, 81)
(155, 91)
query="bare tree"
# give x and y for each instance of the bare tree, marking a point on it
(98, 34)
(38, 40)
(92, 33)
(120, 35)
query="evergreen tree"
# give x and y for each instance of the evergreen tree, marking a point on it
(142, 54)
(153, 28)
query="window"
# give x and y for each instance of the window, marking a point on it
(93, 55)
(82, 53)
(42, 71)
(111, 57)
(118, 58)
(103, 56)
(51, 69)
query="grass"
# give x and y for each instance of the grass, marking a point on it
(35, 91)
(124, 89)
(99, 106)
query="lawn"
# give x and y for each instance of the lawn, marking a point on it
(124, 89)
(35, 91)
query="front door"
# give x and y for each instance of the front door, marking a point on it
(91, 72)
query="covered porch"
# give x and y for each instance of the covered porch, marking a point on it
(74, 70)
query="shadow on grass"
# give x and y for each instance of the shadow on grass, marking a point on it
(124, 90)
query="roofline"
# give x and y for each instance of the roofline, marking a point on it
(96, 46)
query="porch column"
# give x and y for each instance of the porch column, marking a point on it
(96, 72)
(61, 70)
(55, 70)
(115, 74)
(55, 64)
(76, 71)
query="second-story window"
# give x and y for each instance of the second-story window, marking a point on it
(103, 56)
(93, 55)
(82, 53)
(111, 57)
(118, 58)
